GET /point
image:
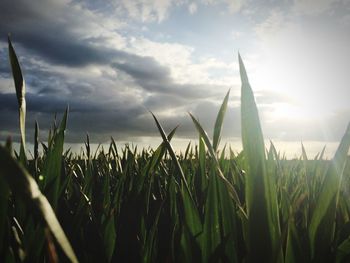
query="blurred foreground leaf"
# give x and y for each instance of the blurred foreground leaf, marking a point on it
(23, 185)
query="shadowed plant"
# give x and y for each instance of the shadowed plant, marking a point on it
(208, 204)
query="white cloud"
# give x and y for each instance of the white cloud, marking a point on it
(270, 26)
(234, 5)
(158, 10)
(192, 8)
(312, 7)
(179, 59)
(148, 10)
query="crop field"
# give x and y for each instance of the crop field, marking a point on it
(155, 205)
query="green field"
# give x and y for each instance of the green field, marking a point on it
(200, 205)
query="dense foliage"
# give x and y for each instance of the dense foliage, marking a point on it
(202, 205)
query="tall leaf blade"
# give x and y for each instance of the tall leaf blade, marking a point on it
(20, 93)
(191, 212)
(322, 224)
(293, 248)
(172, 154)
(219, 122)
(36, 148)
(202, 164)
(205, 137)
(109, 236)
(211, 227)
(263, 221)
(52, 166)
(154, 161)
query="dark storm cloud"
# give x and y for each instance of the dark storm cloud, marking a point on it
(4, 64)
(138, 122)
(55, 42)
(101, 124)
(144, 70)
(82, 118)
(153, 77)
(56, 49)
(205, 112)
(163, 101)
(35, 31)
(47, 103)
(51, 31)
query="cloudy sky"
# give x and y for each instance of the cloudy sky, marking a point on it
(114, 60)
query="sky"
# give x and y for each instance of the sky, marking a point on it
(114, 61)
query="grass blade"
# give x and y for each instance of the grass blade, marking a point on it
(172, 154)
(211, 228)
(22, 184)
(205, 137)
(263, 221)
(36, 148)
(53, 162)
(4, 195)
(343, 251)
(192, 218)
(20, 93)
(322, 224)
(219, 122)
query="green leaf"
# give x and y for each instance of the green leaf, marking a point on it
(23, 185)
(294, 249)
(202, 164)
(205, 137)
(189, 250)
(261, 199)
(321, 231)
(228, 218)
(191, 215)
(109, 237)
(304, 152)
(149, 245)
(53, 162)
(211, 227)
(20, 93)
(154, 160)
(219, 122)
(36, 148)
(343, 251)
(190, 210)
(172, 154)
(159, 153)
(4, 195)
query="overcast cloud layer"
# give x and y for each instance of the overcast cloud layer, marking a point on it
(113, 61)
